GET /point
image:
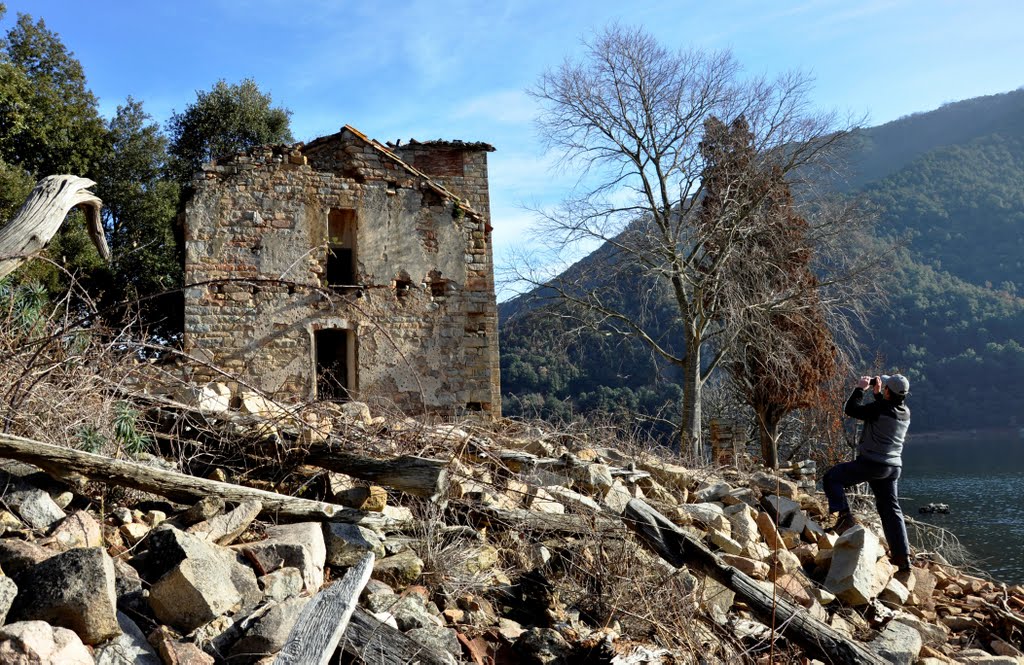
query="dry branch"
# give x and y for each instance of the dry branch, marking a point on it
(673, 545)
(43, 213)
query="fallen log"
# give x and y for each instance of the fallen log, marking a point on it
(679, 548)
(61, 462)
(540, 523)
(44, 211)
(370, 641)
(323, 620)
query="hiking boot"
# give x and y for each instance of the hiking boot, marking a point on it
(845, 522)
(902, 562)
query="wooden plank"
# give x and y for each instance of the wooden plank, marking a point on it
(376, 643)
(418, 476)
(678, 548)
(323, 620)
(180, 487)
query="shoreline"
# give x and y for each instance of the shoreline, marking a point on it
(998, 433)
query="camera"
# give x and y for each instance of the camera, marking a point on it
(874, 382)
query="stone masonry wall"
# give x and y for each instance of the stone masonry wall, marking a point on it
(256, 249)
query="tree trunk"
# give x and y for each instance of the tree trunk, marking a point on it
(680, 549)
(689, 425)
(43, 213)
(768, 432)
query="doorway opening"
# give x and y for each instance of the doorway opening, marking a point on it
(335, 364)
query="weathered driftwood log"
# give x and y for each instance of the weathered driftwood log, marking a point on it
(43, 213)
(678, 548)
(62, 462)
(318, 630)
(418, 476)
(371, 641)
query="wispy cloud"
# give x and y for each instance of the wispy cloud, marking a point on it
(504, 106)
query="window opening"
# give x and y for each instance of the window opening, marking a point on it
(341, 248)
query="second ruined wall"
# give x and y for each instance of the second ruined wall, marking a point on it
(256, 243)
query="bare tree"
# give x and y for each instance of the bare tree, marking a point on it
(632, 117)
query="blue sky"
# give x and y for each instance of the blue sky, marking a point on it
(457, 69)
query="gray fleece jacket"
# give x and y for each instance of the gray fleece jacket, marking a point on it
(885, 427)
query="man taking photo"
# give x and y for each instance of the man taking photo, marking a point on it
(878, 462)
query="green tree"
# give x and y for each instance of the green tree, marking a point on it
(49, 121)
(139, 212)
(222, 121)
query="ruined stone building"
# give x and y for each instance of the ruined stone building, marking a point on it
(346, 269)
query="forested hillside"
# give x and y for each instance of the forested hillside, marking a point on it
(948, 186)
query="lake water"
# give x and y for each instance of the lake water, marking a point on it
(981, 477)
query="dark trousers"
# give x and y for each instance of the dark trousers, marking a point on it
(883, 480)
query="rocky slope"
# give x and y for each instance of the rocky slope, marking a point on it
(524, 557)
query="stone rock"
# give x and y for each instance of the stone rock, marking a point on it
(795, 589)
(128, 648)
(981, 657)
(771, 484)
(134, 533)
(755, 569)
(567, 497)
(594, 478)
(74, 590)
(253, 403)
(671, 475)
(717, 598)
(782, 562)
(34, 506)
(744, 524)
(198, 590)
(543, 645)
(399, 570)
(541, 501)
(224, 529)
(711, 492)
(898, 643)
(168, 546)
(174, 651)
(895, 592)
(17, 556)
(438, 640)
(281, 584)
(932, 634)
(852, 575)
(710, 515)
(269, 632)
(509, 629)
(154, 517)
(347, 543)
(782, 509)
(77, 530)
(616, 498)
(356, 412)
(724, 543)
(8, 592)
(768, 531)
(410, 611)
(298, 545)
(39, 643)
(122, 515)
(205, 509)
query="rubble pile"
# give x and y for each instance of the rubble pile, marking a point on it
(523, 557)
